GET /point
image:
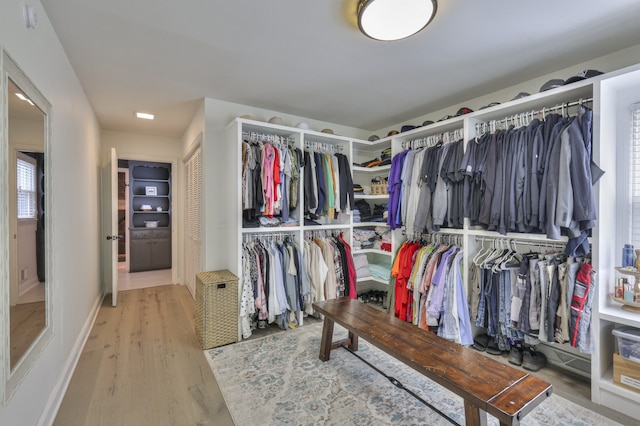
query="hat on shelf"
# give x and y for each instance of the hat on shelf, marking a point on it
(302, 125)
(392, 132)
(463, 111)
(276, 120)
(521, 95)
(373, 138)
(552, 84)
(583, 75)
(407, 127)
(446, 117)
(427, 123)
(329, 131)
(492, 104)
(248, 117)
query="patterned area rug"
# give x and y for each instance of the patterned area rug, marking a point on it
(278, 380)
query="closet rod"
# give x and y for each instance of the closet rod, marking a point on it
(268, 234)
(322, 147)
(560, 244)
(256, 136)
(453, 135)
(520, 117)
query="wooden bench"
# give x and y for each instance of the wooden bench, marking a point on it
(485, 385)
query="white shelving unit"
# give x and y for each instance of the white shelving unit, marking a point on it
(612, 94)
(363, 151)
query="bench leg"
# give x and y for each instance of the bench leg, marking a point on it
(327, 337)
(354, 341)
(474, 416)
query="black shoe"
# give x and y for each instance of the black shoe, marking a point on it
(515, 355)
(533, 360)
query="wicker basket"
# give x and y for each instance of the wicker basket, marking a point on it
(216, 308)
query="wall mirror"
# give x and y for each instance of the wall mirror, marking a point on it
(25, 252)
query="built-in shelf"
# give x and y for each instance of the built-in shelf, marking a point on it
(377, 169)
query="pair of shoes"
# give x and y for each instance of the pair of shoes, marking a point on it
(533, 360)
(515, 355)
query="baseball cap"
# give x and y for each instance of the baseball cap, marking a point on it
(373, 138)
(276, 120)
(463, 110)
(392, 132)
(328, 131)
(406, 128)
(552, 84)
(583, 75)
(490, 105)
(521, 95)
(427, 123)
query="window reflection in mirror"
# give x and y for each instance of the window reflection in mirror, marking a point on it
(26, 135)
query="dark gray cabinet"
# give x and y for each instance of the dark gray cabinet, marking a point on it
(150, 250)
(150, 216)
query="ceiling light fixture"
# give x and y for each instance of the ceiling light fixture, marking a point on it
(24, 98)
(389, 20)
(144, 115)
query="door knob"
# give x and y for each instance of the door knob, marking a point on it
(113, 237)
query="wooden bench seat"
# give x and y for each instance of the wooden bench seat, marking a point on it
(485, 385)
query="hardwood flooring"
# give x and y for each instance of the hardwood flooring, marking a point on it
(27, 322)
(142, 365)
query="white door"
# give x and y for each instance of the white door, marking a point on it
(110, 225)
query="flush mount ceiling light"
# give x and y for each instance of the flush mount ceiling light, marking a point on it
(389, 20)
(144, 115)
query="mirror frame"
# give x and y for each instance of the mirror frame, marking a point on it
(10, 379)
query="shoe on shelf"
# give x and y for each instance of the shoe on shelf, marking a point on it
(515, 355)
(533, 360)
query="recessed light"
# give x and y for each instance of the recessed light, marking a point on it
(144, 115)
(24, 98)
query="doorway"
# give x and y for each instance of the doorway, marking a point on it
(128, 278)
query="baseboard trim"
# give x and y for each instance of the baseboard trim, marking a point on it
(53, 404)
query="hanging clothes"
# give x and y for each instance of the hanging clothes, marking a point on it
(536, 178)
(271, 168)
(328, 184)
(426, 188)
(429, 291)
(534, 297)
(275, 283)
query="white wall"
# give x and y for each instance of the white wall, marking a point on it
(608, 63)
(132, 146)
(76, 218)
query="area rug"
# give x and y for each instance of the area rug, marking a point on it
(279, 380)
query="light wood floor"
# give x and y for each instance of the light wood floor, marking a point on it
(135, 280)
(142, 365)
(27, 320)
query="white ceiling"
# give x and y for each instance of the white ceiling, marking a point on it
(307, 58)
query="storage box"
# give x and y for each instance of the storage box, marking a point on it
(626, 373)
(216, 308)
(628, 342)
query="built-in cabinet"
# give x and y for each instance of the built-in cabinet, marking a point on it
(609, 96)
(150, 216)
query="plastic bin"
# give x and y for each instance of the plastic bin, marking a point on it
(628, 342)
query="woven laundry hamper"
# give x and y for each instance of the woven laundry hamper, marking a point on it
(216, 308)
